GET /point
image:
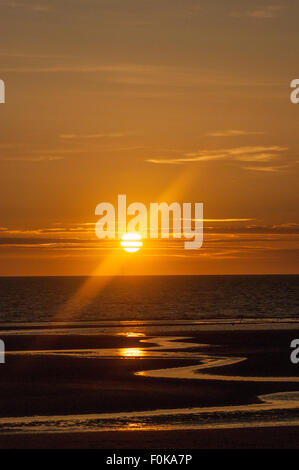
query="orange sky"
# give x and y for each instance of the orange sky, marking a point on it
(169, 100)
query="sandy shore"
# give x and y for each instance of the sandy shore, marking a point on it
(60, 385)
(265, 438)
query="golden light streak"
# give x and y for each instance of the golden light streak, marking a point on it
(113, 263)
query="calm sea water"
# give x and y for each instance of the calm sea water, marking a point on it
(42, 299)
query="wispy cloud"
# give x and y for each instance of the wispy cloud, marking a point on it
(110, 135)
(242, 154)
(268, 169)
(233, 133)
(137, 76)
(26, 55)
(93, 68)
(38, 7)
(267, 12)
(40, 159)
(291, 227)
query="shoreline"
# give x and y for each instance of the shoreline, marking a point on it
(53, 376)
(259, 438)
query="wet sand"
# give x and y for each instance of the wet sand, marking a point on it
(265, 438)
(62, 384)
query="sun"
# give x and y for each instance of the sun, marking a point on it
(131, 242)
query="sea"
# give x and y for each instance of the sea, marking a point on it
(166, 312)
(143, 298)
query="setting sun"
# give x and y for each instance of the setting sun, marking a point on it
(131, 242)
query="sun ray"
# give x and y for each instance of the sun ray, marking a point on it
(113, 263)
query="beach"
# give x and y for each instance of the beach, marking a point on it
(62, 387)
(149, 229)
(265, 438)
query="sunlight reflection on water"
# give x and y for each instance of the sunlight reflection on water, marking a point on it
(132, 352)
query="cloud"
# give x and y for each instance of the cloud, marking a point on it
(25, 55)
(46, 158)
(268, 169)
(232, 133)
(183, 79)
(226, 220)
(111, 135)
(43, 241)
(288, 228)
(38, 7)
(84, 232)
(242, 154)
(267, 12)
(117, 69)
(252, 229)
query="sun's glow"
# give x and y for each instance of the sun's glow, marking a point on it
(132, 352)
(131, 242)
(131, 334)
